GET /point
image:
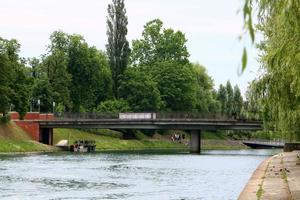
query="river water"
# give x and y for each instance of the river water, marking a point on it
(214, 175)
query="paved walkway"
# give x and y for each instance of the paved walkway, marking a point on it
(277, 178)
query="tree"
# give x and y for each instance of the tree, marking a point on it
(21, 91)
(279, 84)
(118, 47)
(16, 86)
(42, 91)
(113, 106)
(55, 67)
(237, 102)
(159, 45)
(5, 73)
(253, 105)
(177, 84)
(222, 97)
(140, 91)
(88, 68)
(230, 100)
(205, 98)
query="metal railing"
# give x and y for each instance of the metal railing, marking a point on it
(158, 115)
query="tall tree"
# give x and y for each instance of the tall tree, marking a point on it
(17, 83)
(5, 74)
(279, 85)
(177, 84)
(230, 100)
(222, 97)
(118, 47)
(140, 91)
(159, 44)
(205, 98)
(237, 102)
(55, 66)
(88, 68)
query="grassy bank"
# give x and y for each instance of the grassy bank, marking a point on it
(14, 139)
(111, 140)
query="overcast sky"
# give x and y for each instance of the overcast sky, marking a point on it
(211, 27)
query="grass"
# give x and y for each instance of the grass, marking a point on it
(259, 192)
(105, 142)
(14, 139)
(9, 145)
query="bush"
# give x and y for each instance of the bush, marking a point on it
(4, 119)
(113, 106)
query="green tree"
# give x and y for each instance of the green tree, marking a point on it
(159, 45)
(237, 102)
(21, 91)
(113, 106)
(279, 85)
(205, 98)
(177, 84)
(118, 47)
(42, 91)
(88, 68)
(222, 98)
(5, 73)
(140, 91)
(230, 99)
(55, 67)
(16, 82)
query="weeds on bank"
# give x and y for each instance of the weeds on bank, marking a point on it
(284, 176)
(259, 192)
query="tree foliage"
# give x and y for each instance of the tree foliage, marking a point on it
(158, 45)
(279, 84)
(140, 91)
(15, 84)
(113, 106)
(118, 47)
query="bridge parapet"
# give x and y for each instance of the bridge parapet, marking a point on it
(158, 115)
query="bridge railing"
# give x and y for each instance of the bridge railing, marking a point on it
(158, 115)
(87, 116)
(192, 115)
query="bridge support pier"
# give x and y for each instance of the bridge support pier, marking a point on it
(46, 136)
(195, 141)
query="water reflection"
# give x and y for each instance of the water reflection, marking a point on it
(213, 175)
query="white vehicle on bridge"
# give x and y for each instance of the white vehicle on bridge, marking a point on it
(137, 115)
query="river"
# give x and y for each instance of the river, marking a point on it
(214, 175)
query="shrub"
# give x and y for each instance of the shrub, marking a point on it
(4, 119)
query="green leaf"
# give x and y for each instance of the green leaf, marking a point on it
(244, 59)
(251, 30)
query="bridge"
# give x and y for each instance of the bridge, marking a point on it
(192, 124)
(40, 126)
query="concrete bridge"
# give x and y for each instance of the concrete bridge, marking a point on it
(191, 124)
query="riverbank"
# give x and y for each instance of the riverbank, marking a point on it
(14, 139)
(278, 177)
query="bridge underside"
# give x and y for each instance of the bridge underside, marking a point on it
(153, 124)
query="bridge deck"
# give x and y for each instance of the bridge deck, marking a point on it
(183, 124)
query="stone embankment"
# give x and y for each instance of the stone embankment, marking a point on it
(277, 178)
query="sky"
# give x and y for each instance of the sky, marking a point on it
(211, 27)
